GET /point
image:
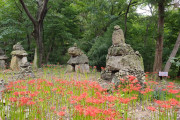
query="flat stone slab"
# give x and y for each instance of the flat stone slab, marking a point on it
(82, 59)
(115, 63)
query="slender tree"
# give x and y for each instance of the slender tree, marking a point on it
(38, 26)
(126, 15)
(173, 54)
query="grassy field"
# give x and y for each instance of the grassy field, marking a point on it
(56, 95)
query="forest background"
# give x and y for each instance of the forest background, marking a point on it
(89, 23)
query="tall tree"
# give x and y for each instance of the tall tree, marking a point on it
(126, 15)
(38, 26)
(173, 54)
(159, 42)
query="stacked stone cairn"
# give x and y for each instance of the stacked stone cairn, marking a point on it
(3, 59)
(78, 61)
(20, 63)
(19, 56)
(26, 71)
(121, 61)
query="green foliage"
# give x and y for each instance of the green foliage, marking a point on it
(159, 94)
(98, 52)
(176, 61)
(89, 24)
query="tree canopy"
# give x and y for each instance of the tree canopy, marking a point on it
(89, 24)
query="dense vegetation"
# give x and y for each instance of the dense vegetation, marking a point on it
(89, 24)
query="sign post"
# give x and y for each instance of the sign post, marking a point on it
(163, 74)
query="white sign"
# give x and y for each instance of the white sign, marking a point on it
(163, 74)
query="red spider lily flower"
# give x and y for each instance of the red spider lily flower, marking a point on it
(23, 87)
(111, 98)
(134, 81)
(159, 102)
(131, 78)
(173, 102)
(12, 99)
(171, 83)
(63, 108)
(133, 98)
(49, 83)
(111, 105)
(151, 108)
(70, 92)
(46, 91)
(31, 82)
(79, 108)
(102, 68)
(173, 91)
(61, 113)
(54, 89)
(164, 89)
(122, 80)
(178, 96)
(53, 108)
(41, 100)
(16, 93)
(165, 106)
(31, 103)
(23, 100)
(145, 83)
(125, 100)
(34, 94)
(170, 86)
(73, 101)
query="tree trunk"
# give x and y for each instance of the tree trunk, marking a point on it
(38, 27)
(28, 42)
(38, 36)
(35, 59)
(159, 42)
(173, 54)
(50, 50)
(125, 21)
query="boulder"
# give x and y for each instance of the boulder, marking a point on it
(3, 59)
(2, 64)
(19, 57)
(83, 68)
(82, 59)
(74, 51)
(123, 49)
(117, 36)
(106, 75)
(115, 63)
(15, 63)
(70, 68)
(121, 61)
(116, 80)
(19, 53)
(78, 61)
(18, 46)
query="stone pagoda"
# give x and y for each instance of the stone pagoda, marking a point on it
(121, 61)
(78, 61)
(19, 57)
(3, 59)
